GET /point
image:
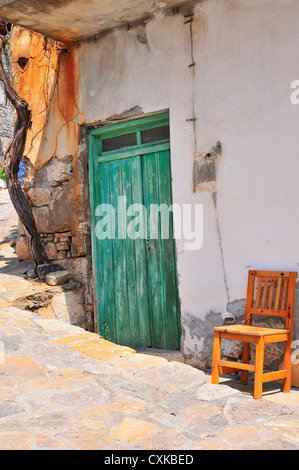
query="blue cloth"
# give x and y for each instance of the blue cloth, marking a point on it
(23, 171)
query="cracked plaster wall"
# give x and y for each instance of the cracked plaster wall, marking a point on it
(57, 183)
(238, 92)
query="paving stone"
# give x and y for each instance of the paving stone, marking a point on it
(74, 338)
(200, 412)
(18, 441)
(288, 430)
(210, 444)
(84, 397)
(172, 377)
(176, 403)
(8, 408)
(10, 343)
(131, 429)
(272, 444)
(23, 323)
(239, 410)
(89, 440)
(45, 442)
(21, 366)
(159, 440)
(100, 349)
(170, 420)
(209, 392)
(241, 436)
(142, 391)
(129, 404)
(99, 418)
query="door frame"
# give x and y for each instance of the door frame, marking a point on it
(136, 124)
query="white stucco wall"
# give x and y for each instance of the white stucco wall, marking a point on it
(246, 57)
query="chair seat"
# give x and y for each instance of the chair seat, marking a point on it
(250, 330)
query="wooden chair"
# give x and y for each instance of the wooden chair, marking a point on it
(275, 296)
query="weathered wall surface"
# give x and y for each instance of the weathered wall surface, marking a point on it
(239, 92)
(45, 74)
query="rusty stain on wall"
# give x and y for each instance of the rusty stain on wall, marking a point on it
(45, 75)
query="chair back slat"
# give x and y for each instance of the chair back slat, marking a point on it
(272, 284)
(271, 293)
(258, 292)
(277, 298)
(284, 294)
(265, 291)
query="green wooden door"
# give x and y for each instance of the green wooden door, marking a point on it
(135, 263)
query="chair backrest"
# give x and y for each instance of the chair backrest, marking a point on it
(271, 293)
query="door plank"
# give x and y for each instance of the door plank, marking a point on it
(107, 321)
(156, 295)
(122, 319)
(168, 265)
(140, 260)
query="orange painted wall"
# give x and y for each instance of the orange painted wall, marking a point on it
(49, 83)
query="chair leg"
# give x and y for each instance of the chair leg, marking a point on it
(216, 357)
(288, 366)
(259, 368)
(245, 360)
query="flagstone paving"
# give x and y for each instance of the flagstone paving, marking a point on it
(63, 388)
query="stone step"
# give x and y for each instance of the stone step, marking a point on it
(170, 355)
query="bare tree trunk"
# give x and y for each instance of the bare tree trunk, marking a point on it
(11, 165)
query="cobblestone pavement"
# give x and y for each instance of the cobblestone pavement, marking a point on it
(64, 388)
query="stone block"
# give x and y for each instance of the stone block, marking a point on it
(61, 211)
(61, 246)
(64, 239)
(58, 278)
(22, 250)
(172, 377)
(31, 274)
(41, 216)
(80, 245)
(61, 254)
(79, 267)
(66, 307)
(51, 251)
(209, 392)
(44, 269)
(20, 228)
(63, 234)
(39, 196)
(131, 429)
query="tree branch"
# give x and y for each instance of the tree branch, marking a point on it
(11, 165)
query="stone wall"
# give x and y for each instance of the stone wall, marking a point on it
(57, 184)
(56, 193)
